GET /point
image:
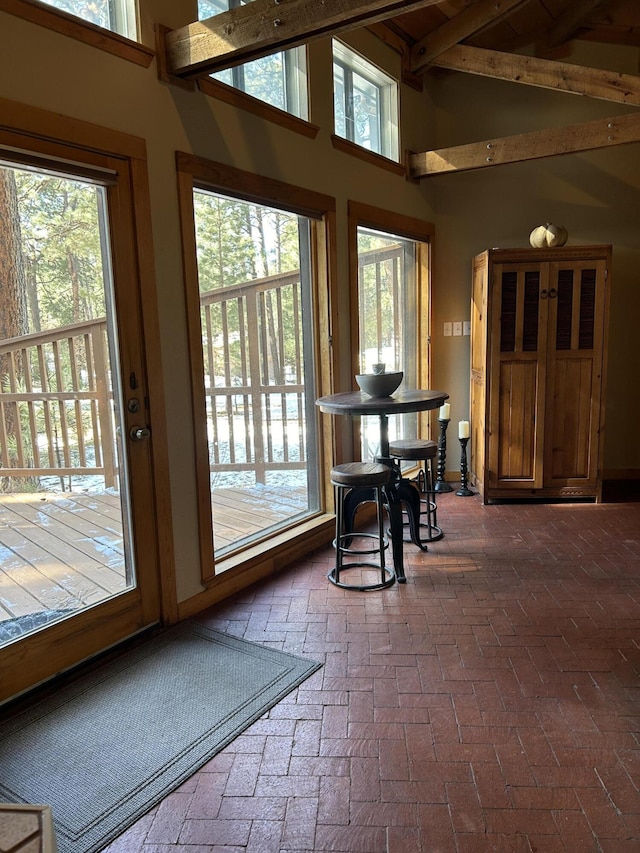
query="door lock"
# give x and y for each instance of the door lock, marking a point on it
(139, 433)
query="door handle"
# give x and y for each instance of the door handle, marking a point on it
(543, 293)
(553, 293)
(139, 433)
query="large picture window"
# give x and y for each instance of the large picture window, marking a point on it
(258, 299)
(279, 79)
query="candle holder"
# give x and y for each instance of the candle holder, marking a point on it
(463, 491)
(441, 484)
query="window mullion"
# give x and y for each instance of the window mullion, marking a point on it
(349, 109)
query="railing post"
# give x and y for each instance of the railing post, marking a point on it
(105, 441)
(255, 382)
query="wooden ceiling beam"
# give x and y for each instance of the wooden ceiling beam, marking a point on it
(268, 26)
(456, 29)
(587, 136)
(568, 22)
(545, 73)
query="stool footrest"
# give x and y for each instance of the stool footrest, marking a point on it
(387, 577)
(355, 552)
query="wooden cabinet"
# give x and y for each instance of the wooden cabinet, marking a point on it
(538, 360)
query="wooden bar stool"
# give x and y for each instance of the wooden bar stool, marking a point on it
(371, 478)
(425, 451)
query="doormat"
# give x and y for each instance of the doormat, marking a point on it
(109, 746)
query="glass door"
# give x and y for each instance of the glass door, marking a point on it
(75, 475)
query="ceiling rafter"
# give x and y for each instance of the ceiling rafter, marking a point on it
(544, 73)
(264, 26)
(602, 133)
(472, 19)
(569, 21)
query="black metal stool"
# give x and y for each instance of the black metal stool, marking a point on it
(425, 451)
(371, 476)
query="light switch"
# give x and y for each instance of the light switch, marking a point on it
(466, 327)
(457, 327)
(446, 330)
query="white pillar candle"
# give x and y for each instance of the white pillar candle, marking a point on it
(463, 429)
(445, 412)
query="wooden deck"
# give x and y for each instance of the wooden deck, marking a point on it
(63, 551)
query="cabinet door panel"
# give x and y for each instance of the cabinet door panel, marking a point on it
(516, 425)
(570, 421)
(574, 373)
(518, 342)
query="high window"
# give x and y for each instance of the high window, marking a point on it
(365, 103)
(119, 16)
(279, 79)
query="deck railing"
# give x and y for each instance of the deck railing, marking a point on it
(56, 407)
(254, 376)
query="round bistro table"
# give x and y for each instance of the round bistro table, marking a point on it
(400, 490)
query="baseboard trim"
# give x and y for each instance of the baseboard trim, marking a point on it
(254, 564)
(621, 489)
(621, 474)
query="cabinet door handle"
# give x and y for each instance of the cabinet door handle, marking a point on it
(553, 293)
(543, 293)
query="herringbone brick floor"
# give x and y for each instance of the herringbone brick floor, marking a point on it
(490, 704)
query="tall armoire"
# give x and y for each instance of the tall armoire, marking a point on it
(539, 321)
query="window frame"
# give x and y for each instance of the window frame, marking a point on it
(77, 28)
(217, 575)
(388, 90)
(295, 88)
(423, 234)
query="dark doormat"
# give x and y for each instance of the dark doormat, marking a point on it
(105, 748)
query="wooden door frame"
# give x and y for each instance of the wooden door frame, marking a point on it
(86, 149)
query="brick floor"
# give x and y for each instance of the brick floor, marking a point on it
(490, 704)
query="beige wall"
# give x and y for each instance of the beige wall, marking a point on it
(594, 195)
(47, 70)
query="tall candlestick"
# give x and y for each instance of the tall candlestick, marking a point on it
(463, 491)
(441, 484)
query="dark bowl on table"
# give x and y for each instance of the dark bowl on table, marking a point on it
(379, 384)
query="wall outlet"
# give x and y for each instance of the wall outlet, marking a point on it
(446, 330)
(466, 327)
(457, 327)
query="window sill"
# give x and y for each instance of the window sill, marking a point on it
(237, 98)
(354, 150)
(76, 28)
(260, 561)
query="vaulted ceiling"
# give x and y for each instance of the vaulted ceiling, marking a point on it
(544, 26)
(523, 41)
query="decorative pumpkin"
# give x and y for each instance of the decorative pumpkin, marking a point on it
(548, 235)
